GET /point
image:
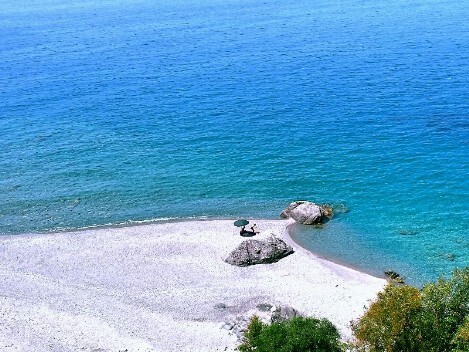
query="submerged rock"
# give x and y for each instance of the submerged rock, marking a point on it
(407, 232)
(447, 256)
(340, 208)
(307, 213)
(251, 252)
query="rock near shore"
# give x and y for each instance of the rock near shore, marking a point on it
(307, 213)
(394, 277)
(251, 252)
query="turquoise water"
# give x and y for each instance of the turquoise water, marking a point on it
(115, 112)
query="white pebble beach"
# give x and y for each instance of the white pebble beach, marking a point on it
(159, 287)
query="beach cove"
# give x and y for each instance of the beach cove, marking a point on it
(159, 287)
(117, 112)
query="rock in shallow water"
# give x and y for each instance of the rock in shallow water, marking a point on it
(251, 252)
(307, 213)
(394, 277)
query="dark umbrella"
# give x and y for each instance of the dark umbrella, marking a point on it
(241, 222)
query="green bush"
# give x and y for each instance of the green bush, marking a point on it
(434, 319)
(445, 305)
(296, 335)
(385, 326)
(461, 339)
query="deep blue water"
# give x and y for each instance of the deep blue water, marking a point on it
(130, 111)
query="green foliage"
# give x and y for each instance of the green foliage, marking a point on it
(252, 335)
(434, 319)
(385, 326)
(461, 339)
(445, 305)
(296, 335)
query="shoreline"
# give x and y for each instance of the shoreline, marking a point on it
(330, 259)
(138, 223)
(156, 287)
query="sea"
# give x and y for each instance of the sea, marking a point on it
(119, 112)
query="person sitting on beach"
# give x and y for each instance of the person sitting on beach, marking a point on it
(246, 233)
(254, 230)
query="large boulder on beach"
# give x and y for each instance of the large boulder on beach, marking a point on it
(251, 252)
(307, 213)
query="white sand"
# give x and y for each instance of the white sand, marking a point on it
(154, 288)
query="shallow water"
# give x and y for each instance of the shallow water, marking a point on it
(131, 111)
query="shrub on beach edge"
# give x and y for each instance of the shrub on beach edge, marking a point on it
(434, 319)
(298, 334)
